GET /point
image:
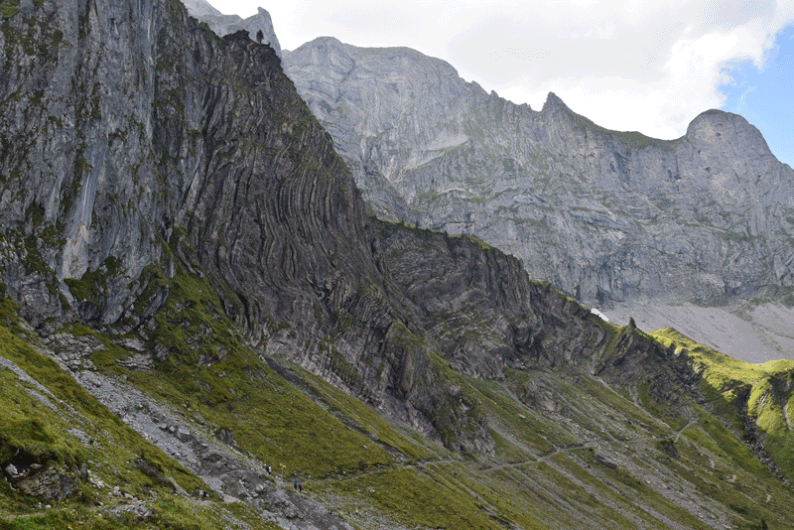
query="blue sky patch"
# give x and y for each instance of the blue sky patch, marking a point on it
(766, 98)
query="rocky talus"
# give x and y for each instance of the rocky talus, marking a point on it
(604, 215)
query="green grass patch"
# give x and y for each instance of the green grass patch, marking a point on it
(170, 512)
(645, 497)
(627, 514)
(505, 493)
(9, 8)
(413, 498)
(721, 371)
(731, 448)
(44, 434)
(732, 386)
(367, 421)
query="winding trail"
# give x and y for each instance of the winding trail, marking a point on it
(682, 429)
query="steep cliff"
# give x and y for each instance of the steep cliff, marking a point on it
(192, 155)
(604, 215)
(228, 24)
(181, 239)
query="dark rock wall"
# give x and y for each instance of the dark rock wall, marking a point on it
(137, 144)
(479, 307)
(133, 139)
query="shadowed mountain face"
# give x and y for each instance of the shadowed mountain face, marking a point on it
(606, 216)
(192, 293)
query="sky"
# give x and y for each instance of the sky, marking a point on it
(641, 65)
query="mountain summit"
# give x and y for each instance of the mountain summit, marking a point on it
(608, 216)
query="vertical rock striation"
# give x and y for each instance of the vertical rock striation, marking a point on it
(138, 146)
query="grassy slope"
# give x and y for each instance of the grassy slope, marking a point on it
(548, 470)
(76, 431)
(736, 388)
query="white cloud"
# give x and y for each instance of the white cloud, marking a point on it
(626, 64)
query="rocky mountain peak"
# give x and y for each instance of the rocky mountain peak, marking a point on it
(200, 8)
(609, 216)
(554, 103)
(227, 24)
(730, 131)
(417, 69)
(325, 53)
(323, 42)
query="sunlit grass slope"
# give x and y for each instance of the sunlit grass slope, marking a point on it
(50, 424)
(737, 390)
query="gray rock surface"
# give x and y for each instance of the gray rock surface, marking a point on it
(751, 331)
(72, 351)
(227, 24)
(200, 8)
(48, 483)
(201, 209)
(604, 215)
(152, 148)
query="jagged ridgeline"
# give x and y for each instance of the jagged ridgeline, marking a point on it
(604, 215)
(197, 314)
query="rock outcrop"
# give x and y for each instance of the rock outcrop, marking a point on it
(149, 157)
(200, 8)
(604, 215)
(480, 309)
(227, 24)
(180, 238)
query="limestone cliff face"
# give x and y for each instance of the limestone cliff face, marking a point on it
(122, 133)
(605, 215)
(200, 8)
(227, 24)
(82, 123)
(139, 149)
(478, 307)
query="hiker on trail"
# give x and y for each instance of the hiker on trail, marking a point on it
(295, 485)
(268, 470)
(300, 487)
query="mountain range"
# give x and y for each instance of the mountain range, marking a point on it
(618, 220)
(200, 313)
